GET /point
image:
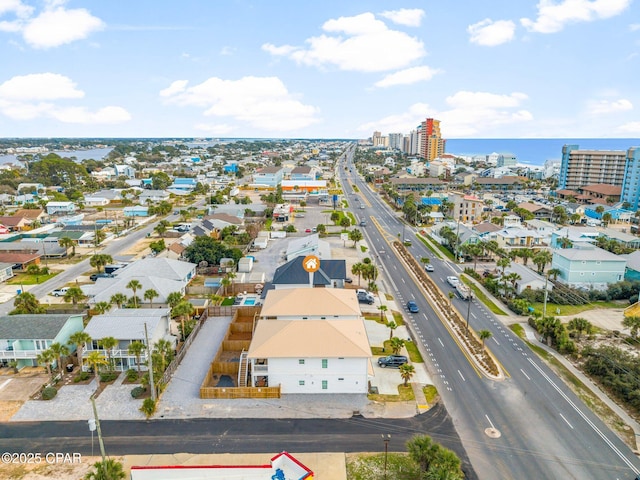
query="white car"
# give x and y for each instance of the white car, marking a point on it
(453, 281)
(429, 268)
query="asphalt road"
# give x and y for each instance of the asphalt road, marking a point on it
(546, 431)
(196, 436)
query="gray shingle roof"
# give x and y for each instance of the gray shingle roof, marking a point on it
(292, 273)
(37, 327)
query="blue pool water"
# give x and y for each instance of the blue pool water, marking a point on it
(249, 301)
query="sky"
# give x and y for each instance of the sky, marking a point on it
(319, 69)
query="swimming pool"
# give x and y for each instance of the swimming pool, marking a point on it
(249, 301)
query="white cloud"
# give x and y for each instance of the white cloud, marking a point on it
(54, 26)
(408, 76)
(37, 95)
(552, 17)
(471, 114)
(226, 50)
(176, 87)
(264, 103)
(105, 115)
(631, 127)
(489, 33)
(366, 45)
(411, 17)
(39, 86)
(600, 107)
(634, 27)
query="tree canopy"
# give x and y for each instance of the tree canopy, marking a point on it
(209, 250)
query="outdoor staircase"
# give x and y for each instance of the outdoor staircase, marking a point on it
(243, 370)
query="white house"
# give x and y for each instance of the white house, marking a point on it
(61, 208)
(529, 280)
(153, 196)
(311, 340)
(127, 326)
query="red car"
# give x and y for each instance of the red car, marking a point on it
(308, 230)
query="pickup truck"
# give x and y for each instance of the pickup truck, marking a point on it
(60, 292)
(463, 291)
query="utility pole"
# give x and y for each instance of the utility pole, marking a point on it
(385, 439)
(95, 416)
(150, 362)
(546, 294)
(458, 241)
(469, 309)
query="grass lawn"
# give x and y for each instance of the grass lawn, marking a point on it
(398, 318)
(405, 394)
(414, 353)
(552, 308)
(441, 249)
(479, 294)
(227, 301)
(26, 279)
(352, 218)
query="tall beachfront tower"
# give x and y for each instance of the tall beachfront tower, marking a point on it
(432, 142)
(591, 167)
(631, 184)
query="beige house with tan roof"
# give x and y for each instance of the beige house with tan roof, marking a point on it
(311, 341)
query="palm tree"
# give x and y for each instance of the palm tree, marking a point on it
(59, 350)
(134, 285)
(633, 324)
(580, 325)
(383, 308)
(225, 282)
(356, 269)
(150, 295)
(95, 359)
(554, 272)
(423, 451)
(174, 298)
(392, 326)
(164, 349)
(79, 339)
(406, 372)
(182, 310)
(119, 299)
(102, 307)
(100, 260)
(66, 243)
(484, 335)
(137, 348)
(503, 263)
(74, 295)
(109, 469)
(46, 358)
(162, 227)
(396, 345)
(541, 258)
(108, 344)
(27, 303)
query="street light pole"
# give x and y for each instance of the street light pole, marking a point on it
(469, 309)
(385, 438)
(458, 241)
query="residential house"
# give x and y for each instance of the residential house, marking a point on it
(632, 271)
(465, 234)
(21, 259)
(540, 212)
(516, 237)
(529, 279)
(32, 215)
(331, 274)
(128, 326)
(579, 237)
(622, 237)
(268, 176)
(588, 267)
(486, 230)
(183, 185)
(543, 227)
(221, 220)
(61, 208)
(6, 271)
(337, 361)
(466, 208)
(96, 201)
(303, 173)
(125, 171)
(33, 188)
(153, 196)
(24, 337)
(14, 223)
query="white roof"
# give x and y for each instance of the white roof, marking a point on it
(126, 324)
(158, 267)
(588, 254)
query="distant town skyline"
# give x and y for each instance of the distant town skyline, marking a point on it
(545, 69)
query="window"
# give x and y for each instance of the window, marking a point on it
(325, 384)
(301, 383)
(301, 361)
(325, 363)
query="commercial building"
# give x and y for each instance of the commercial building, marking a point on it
(590, 167)
(630, 187)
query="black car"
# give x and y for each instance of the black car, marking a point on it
(95, 276)
(392, 361)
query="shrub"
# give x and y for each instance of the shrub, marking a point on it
(81, 377)
(137, 391)
(148, 407)
(49, 392)
(108, 376)
(132, 375)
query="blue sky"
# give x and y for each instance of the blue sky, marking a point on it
(319, 69)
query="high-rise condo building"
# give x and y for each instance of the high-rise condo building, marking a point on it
(631, 183)
(591, 167)
(432, 142)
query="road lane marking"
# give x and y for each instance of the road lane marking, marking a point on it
(461, 376)
(5, 383)
(494, 339)
(441, 342)
(473, 315)
(585, 418)
(523, 372)
(489, 420)
(566, 421)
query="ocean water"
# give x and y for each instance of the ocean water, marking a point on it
(534, 151)
(80, 155)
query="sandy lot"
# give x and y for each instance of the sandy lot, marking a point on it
(606, 318)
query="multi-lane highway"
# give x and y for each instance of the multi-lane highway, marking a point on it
(544, 430)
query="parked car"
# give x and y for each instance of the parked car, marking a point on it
(348, 280)
(429, 268)
(412, 306)
(95, 276)
(453, 281)
(60, 292)
(392, 361)
(299, 215)
(308, 230)
(365, 297)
